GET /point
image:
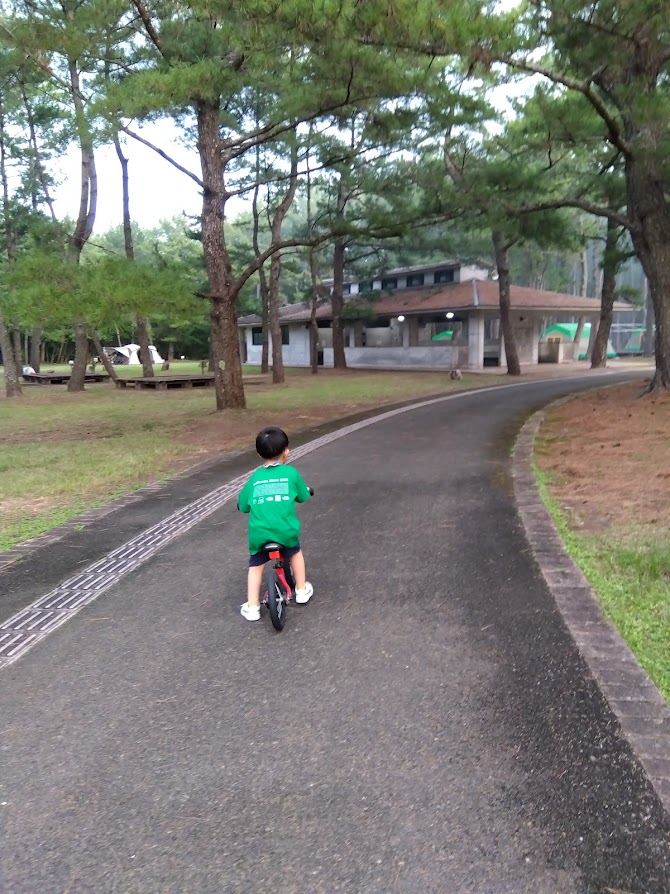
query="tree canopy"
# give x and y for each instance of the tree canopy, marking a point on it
(425, 129)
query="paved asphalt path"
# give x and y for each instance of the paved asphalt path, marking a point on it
(424, 725)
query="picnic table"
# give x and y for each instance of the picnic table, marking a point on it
(162, 383)
(54, 378)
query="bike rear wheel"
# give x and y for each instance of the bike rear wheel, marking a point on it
(276, 601)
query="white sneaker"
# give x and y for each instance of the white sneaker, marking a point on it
(250, 612)
(303, 596)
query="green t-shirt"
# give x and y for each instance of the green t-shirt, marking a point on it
(269, 497)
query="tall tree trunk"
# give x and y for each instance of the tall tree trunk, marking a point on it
(313, 272)
(593, 330)
(104, 359)
(18, 349)
(88, 200)
(313, 325)
(12, 386)
(80, 349)
(313, 339)
(278, 376)
(578, 336)
(36, 348)
(337, 297)
(581, 322)
(648, 335)
(337, 305)
(584, 284)
(170, 356)
(223, 295)
(39, 166)
(275, 268)
(649, 211)
(608, 294)
(263, 292)
(12, 369)
(144, 351)
(128, 245)
(265, 322)
(142, 323)
(583, 289)
(501, 247)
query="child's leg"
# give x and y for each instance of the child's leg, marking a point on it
(254, 581)
(303, 590)
(298, 569)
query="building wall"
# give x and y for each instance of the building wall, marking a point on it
(442, 357)
(384, 347)
(461, 274)
(527, 332)
(383, 336)
(295, 353)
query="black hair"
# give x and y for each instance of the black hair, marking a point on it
(271, 443)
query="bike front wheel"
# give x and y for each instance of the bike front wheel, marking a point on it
(276, 601)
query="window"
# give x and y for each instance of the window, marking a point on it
(257, 335)
(365, 286)
(444, 276)
(414, 279)
(390, 282)
(346, 289)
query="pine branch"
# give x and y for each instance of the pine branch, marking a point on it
(154, 36)
(41, 64)
(583, 87)
(589, 207)
(158, 151)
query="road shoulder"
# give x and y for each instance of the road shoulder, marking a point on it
(641, 710)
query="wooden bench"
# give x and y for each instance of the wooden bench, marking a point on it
(162, 383)
(61, 378)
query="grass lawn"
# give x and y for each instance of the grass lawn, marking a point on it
(63, 453)
(602, 465)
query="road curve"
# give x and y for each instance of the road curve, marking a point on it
(425, 724)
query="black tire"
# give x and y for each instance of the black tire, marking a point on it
(276, 602)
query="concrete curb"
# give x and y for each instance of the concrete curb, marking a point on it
(641, 710)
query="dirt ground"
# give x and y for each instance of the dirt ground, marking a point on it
(607, 453)
(239, 430)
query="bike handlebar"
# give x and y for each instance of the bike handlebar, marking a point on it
(311, 491)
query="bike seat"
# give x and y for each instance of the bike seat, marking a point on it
(273, 546)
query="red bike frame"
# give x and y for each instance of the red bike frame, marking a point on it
(278, 560)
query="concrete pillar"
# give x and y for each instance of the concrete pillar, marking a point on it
(475, 342)
(404, 328)
(413, 329)
(535, 357)
(358, 341)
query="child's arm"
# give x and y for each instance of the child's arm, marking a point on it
(243, 501)
(303, 492)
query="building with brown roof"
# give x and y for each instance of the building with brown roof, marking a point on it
(438, 316)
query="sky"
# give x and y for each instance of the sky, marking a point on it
(157, 189)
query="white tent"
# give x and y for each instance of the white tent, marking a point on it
(131, 352)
